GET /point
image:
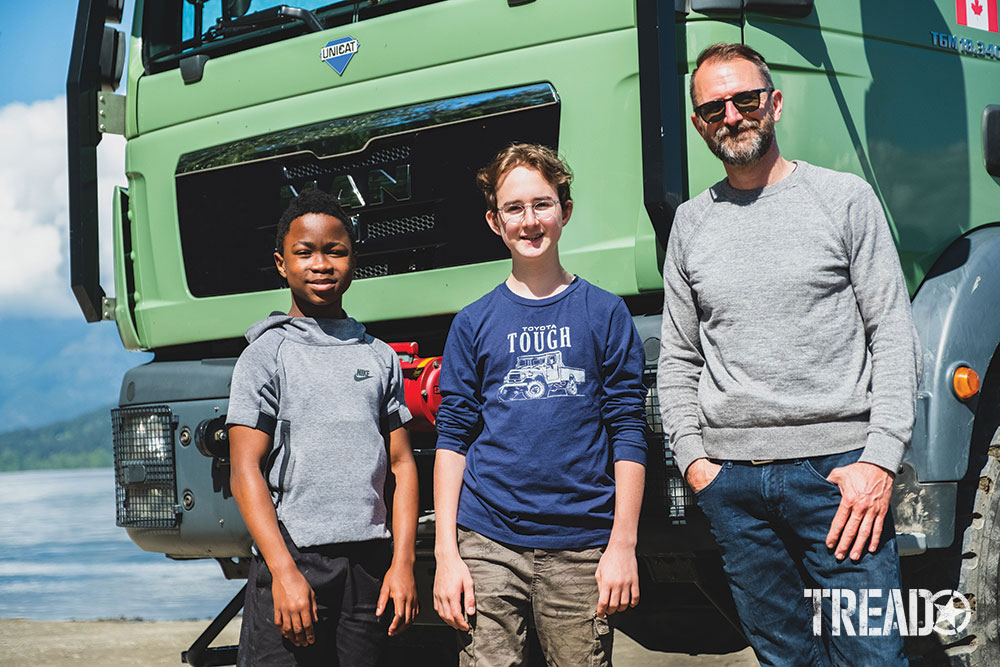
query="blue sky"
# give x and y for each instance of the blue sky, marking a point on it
(53, 365)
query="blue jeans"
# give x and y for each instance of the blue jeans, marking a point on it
(770, 522)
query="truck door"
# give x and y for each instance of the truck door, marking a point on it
(867, 91)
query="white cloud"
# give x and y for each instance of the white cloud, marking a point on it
(34, 218)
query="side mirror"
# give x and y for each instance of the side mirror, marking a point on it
(112, 60)
(97, 62)
(782, 8)
(796, 9)
(237, 8)
(991, 139)
(114, 12)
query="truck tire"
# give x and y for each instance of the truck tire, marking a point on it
(978, 645)
(536, 389)
(970, 566)
(571, 387)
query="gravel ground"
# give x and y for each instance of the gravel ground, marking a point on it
(141, 644)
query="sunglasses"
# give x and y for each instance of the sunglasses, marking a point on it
(745, 102)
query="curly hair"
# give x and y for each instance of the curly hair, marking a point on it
(542, 159)
(311, 201)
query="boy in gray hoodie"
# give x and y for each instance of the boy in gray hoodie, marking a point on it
(316, 415)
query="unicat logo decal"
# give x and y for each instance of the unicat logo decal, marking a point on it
(338, 52)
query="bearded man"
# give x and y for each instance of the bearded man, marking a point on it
(787, 376)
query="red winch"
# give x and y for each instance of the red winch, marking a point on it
(420, 381)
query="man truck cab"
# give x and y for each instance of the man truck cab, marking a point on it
(232, 106)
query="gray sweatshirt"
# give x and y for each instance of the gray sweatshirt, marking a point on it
(328, 394)
(786, 327)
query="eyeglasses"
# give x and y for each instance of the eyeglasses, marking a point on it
(543, 209)
(745, 102)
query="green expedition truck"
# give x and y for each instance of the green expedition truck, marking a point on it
(233, 106)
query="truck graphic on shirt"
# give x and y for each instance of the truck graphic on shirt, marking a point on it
(541, 376)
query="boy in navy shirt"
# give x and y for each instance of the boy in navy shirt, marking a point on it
(540, 465)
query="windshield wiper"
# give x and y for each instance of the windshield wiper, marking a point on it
(233, 27)
(264, 17)
(229, 28)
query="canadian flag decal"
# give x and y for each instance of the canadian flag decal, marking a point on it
(981, 14)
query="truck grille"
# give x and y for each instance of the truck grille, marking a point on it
(304, 168)
(406, 174)
(145, 477)
(399, 226)
(371, 271)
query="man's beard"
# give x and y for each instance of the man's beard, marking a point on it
(755, 140)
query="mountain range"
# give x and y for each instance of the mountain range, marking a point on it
(81, 442)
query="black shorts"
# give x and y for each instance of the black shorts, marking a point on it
(347, 579)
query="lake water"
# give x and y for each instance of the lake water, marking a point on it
(62, 557)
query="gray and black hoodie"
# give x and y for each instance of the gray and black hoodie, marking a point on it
(328, 393)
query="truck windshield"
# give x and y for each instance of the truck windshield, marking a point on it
(176, 29)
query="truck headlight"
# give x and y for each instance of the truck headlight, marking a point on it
(677, 494)
(145, 477)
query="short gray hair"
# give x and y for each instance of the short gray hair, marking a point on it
(731, 51)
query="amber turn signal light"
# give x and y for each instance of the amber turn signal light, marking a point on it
(965, 382)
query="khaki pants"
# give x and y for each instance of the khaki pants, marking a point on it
(553, 588)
